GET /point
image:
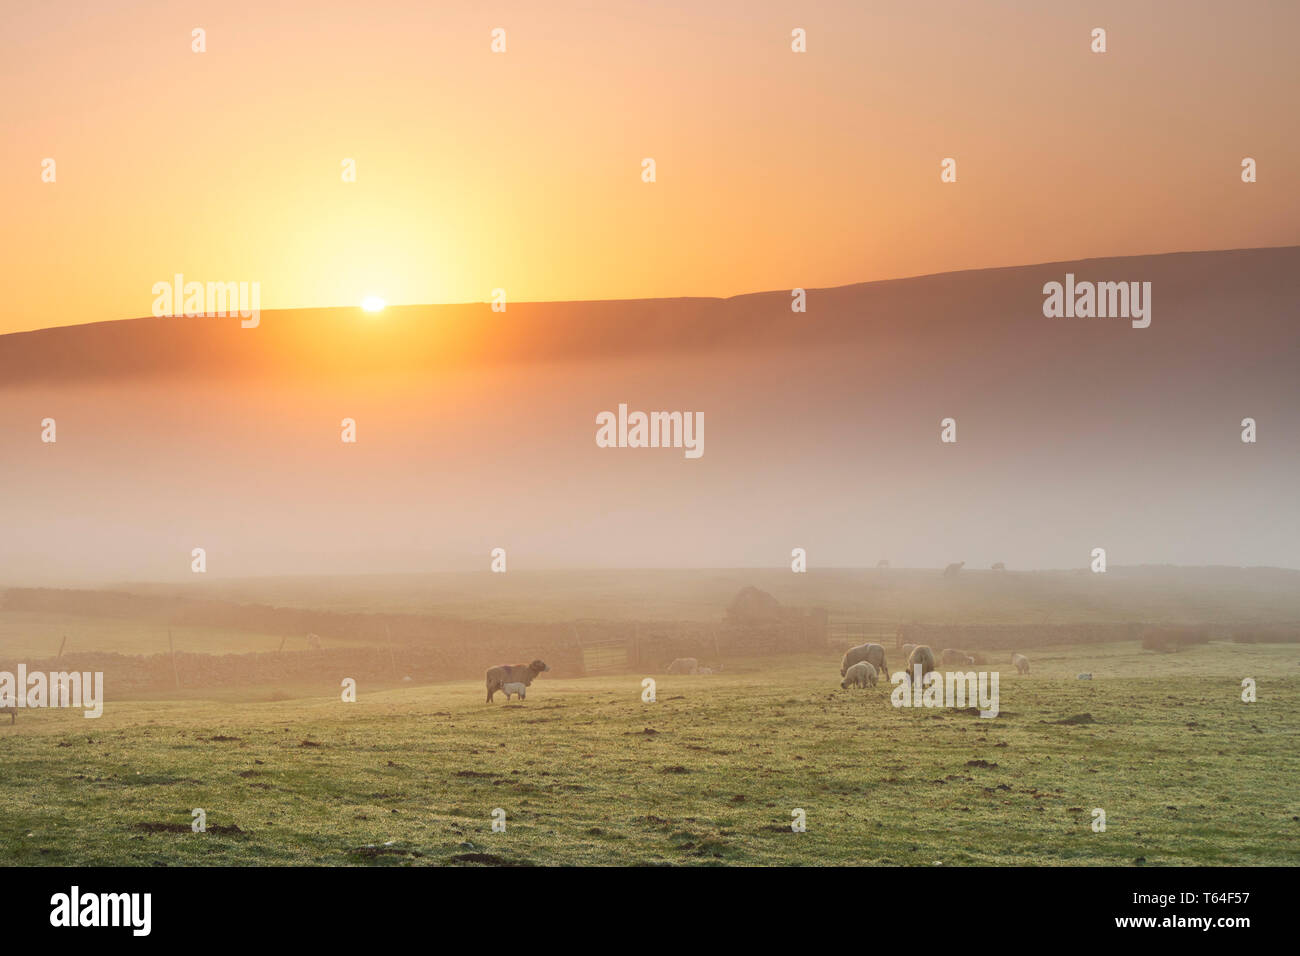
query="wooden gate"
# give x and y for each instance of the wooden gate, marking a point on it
(605, 657)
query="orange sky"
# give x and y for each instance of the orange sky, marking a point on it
(522, 170)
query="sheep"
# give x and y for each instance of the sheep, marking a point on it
(951, 655)
(864, 652)
(921, 656)
(907, 650)
(515, 687)
(952, 570)
(705, 670)
(1021, 663)
(684, 665)
(313, 642)
(1087, 676)
(497, 677)
(861, 674)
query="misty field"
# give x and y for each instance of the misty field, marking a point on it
(709, 774)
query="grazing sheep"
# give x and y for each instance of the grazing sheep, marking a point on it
(514, 687)
(1087, 676)
(952, 570)
(1021, 663)
(864, 652)
(502, 674)
(861, 674)
(951, 655)
(684, 665)
(923, 656)
(12, 712)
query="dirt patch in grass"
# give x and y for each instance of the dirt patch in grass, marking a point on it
(221, 829)
(488, 859)
(1072, 721)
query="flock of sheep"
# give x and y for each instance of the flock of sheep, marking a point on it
(689, 665)
(863, 665)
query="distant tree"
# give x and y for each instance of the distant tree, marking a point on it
(751, 604)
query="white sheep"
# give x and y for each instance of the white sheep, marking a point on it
(861, 674)
(515, 688)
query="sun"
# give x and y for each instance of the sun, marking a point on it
(372, 303)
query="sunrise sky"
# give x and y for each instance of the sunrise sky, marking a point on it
(522, 170)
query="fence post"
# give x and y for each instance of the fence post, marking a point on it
(392, 658)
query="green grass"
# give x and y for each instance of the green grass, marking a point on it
(588, 774)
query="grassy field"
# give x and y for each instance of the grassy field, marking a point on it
(709, 774)
(1147, 593)
(36, 636)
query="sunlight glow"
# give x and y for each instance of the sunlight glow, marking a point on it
(372, 303)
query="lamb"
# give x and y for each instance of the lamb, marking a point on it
(684, 665)
(1021, 663)
(502, 674)
(861, 674)
(951, 655)
(515, 687)
(864, 652)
